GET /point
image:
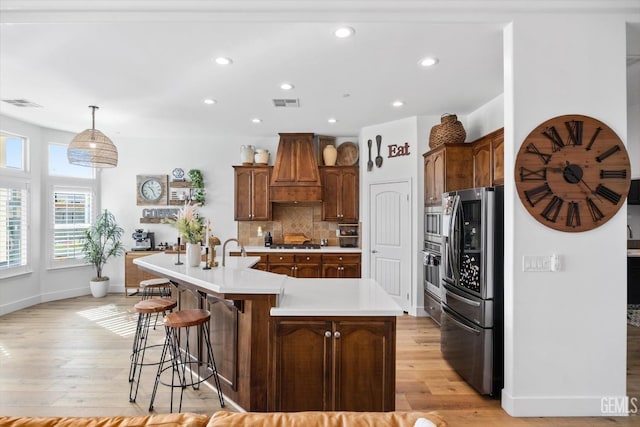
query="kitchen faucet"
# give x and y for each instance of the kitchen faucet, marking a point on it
(224, 248)
(630, 232)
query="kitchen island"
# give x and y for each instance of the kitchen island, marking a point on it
(288, 344)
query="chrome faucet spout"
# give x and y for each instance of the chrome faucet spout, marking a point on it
(224, 249)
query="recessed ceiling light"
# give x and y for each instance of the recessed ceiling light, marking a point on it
(221, 60)
(286, 86)
(332, 120)
(397, 103)
(344, 32)
(429, 61)
(209, 101)
(256, 120)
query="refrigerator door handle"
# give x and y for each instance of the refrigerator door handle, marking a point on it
(463, 299)
(454, 249)
(459, 324)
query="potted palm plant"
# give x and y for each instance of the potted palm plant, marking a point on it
(102, 241)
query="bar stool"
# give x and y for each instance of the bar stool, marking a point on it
(160, 284)
(145, 309)
(181, 360)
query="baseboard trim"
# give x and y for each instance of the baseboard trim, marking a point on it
(566, 406)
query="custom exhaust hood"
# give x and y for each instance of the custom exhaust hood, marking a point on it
(295, 177)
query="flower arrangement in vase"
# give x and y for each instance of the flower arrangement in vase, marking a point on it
(191, 228)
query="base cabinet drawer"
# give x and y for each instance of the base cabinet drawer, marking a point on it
(433, 307)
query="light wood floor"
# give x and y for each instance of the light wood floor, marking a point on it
(71, 357)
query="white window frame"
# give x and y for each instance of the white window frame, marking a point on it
(20, 179)
(53, 189)
(25, 267)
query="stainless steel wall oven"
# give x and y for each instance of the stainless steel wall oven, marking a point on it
(431, 259)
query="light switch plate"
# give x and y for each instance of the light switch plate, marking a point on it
(536, 263)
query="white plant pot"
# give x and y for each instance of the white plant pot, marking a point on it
(99, 288)
(194, 254)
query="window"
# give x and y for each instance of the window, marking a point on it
(13, 229)
(72, 216)
(59, 164)
(71, 207)
(14, 205)
(12, 152)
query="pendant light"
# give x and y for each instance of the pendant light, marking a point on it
(92, 148)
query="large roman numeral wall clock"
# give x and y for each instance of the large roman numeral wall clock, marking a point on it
(572, 173)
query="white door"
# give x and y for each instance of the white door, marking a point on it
(390, 262)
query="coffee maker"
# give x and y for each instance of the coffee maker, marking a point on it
(143, 240)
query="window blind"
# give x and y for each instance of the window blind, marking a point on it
(13, 227)
(72, 216)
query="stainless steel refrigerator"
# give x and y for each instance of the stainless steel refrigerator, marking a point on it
(472, 279)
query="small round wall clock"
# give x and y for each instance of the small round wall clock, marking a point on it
(572, 173)
(151, 189)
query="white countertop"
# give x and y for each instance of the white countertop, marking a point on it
(323, 249)
(296, 297)
(335, 297)
(237, 277)
(633, 252)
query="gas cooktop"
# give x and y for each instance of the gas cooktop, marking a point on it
(295, 246)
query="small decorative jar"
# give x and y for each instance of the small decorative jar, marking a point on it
(246, 155)
(261, 156)
(329, 155)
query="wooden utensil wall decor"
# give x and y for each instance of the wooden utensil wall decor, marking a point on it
(572, 173)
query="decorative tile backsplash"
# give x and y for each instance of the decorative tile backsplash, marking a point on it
(289, 219)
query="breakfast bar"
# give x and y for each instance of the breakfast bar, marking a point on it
(289, 344)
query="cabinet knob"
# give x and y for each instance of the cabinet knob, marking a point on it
(280, 258)
(336, 334)
(340, 258)
(327, 334)
(308, 258)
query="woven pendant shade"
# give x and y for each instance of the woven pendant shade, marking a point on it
(92, 148)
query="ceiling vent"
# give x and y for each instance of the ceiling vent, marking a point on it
(287, 103)
(22, 103)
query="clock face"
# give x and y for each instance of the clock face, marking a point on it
(151, 189)
(572, 173)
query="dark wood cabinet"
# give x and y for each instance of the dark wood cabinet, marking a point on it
(497, 159)
(132, 274)
(295, 177)
(446, 168)
(340, 193)
(298, 265)
(260, 265)
(341, 266)
(482, 163)
(488, 160)
(252, 201)
(337, 365)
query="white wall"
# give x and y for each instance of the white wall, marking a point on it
(485, 119)
(42, 284)
(565, 332)
(395, 168)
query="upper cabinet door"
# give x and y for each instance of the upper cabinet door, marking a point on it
(341, 193)
(497, 148)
